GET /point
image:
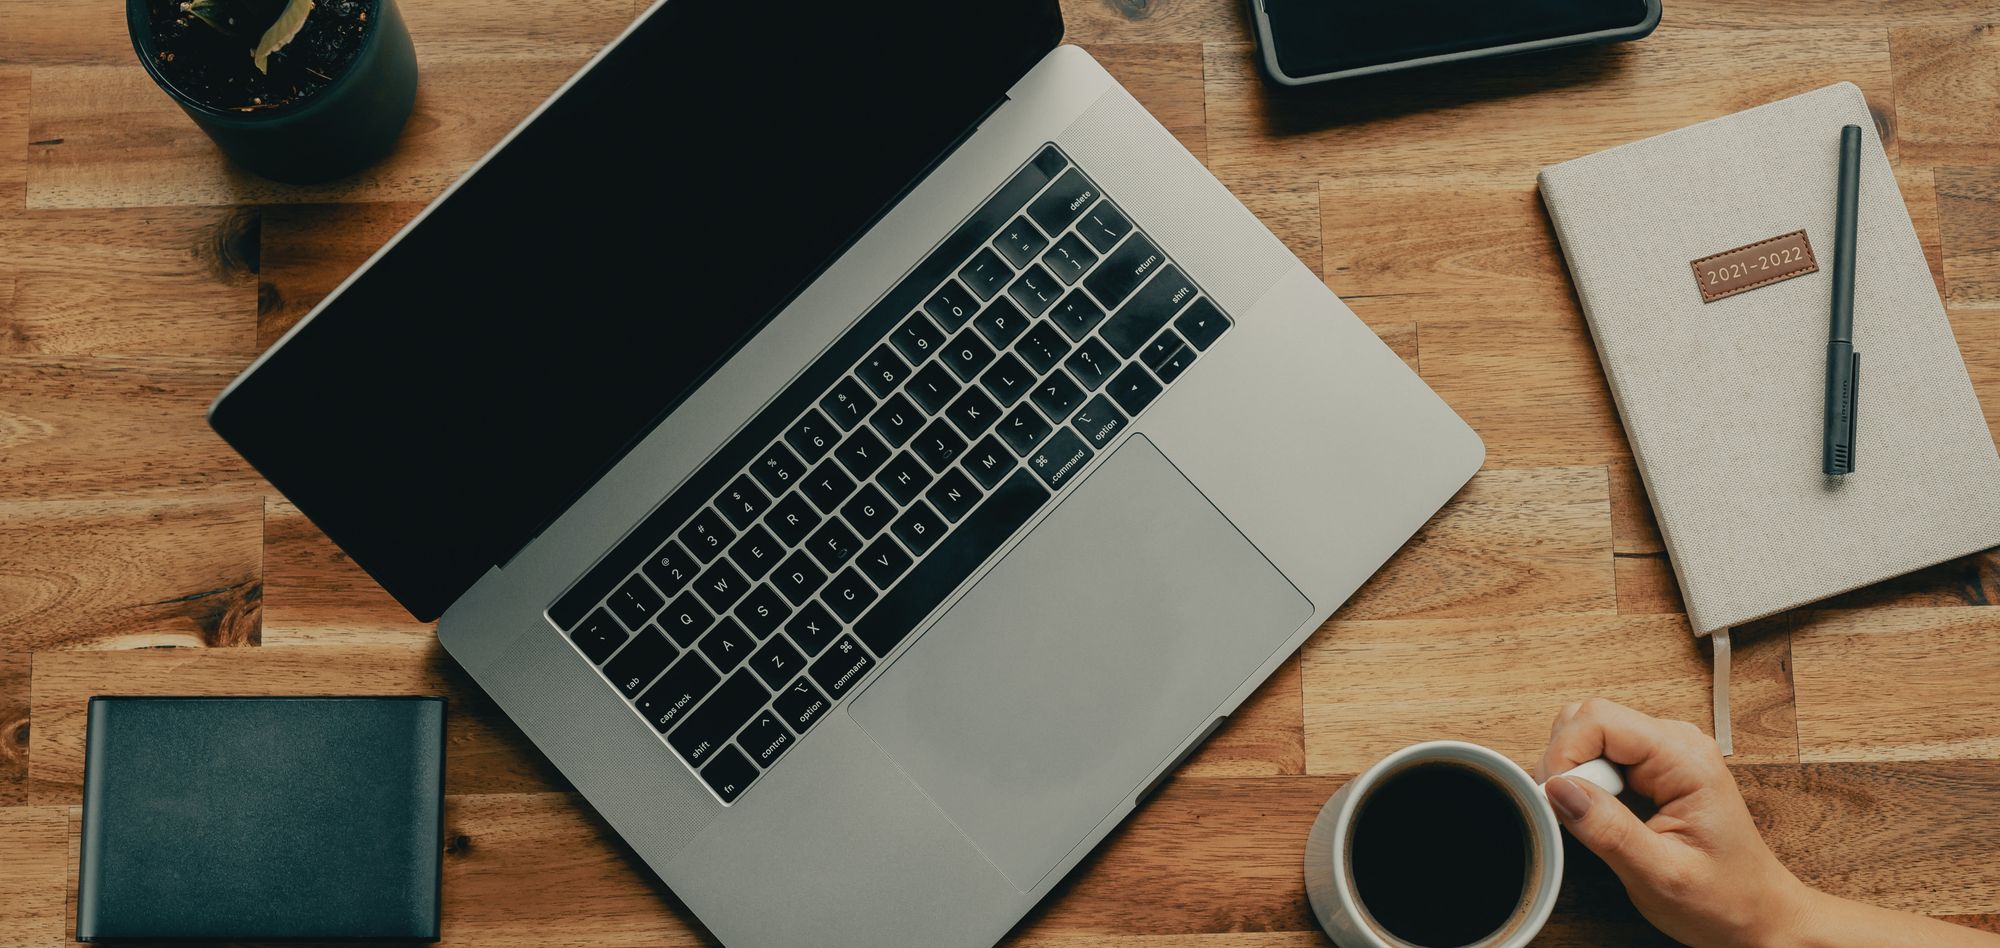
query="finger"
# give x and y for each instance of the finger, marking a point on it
(1606, 827)
(1603, 728)
(1562, 717)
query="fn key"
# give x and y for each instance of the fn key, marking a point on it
(729, 773)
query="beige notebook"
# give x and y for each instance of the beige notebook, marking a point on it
(1710, 312)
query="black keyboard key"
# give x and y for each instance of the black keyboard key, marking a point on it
(949, 563)
(1160, 349)
(670, 568)
(939, 445)
(1172, 366)
(756, 551)
(812, 436)
(801, 705)
(635, 665)
(904, 478)
(730, 775)
(598, 635)
(1091, 364)
(765, 740)
(762, 611)
(842, 667)
(1057, 396)
(985, 274)
(827, 486)
(833, 545)
(721, 586)
(1023, 430)
(777, 662)
(848, 594)
(1099, 422)
(1128, 330)
(883, 561)
(1134, 389)
(973, 413)
(919, 527)
(776, 469)
(869, 511)
(1202, 323)
(706, 535)
(686, 618)
(1123, 271)
(670, 698)
(1063, 201)
(1008, 379)
(727, 645)
(798, 578)
(1020, 242)
(989, 462)
(953, 495)
(1069, 259)
(741, 502)
(719, 718)
(1043, 346)
(813, 628)
(1035, 290)
(917, 338)
(862, 453)
(967, 355)
(897, 420)
(1077, 315)
(635, 603)
(1001, 323)
(1104, 226)
(792, 519)
(933, 387)
(848, 403)
(1062, 456)
(882, 371)
(951, 306)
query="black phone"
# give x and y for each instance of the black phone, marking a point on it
(1308, 41)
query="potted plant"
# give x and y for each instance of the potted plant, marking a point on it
(294, 90)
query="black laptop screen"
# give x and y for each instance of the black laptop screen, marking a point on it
(489, 368)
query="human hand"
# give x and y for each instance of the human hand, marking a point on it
(1698, 869)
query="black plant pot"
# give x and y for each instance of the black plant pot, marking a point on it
(336, 130)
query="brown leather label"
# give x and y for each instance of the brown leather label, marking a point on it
(1753, 265)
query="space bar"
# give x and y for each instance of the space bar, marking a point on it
(1005, 510)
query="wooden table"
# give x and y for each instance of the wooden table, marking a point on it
(138, 273)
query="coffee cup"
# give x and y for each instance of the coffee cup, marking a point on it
(1440, 843)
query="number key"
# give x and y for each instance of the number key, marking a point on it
(741, 502)
(986, 274)
(917, 338)
(706, 535)
(811, 436)
(952, 306)
(883, 370)
(848, 403)
(777, 469)
(670, 568)
(1021, 241)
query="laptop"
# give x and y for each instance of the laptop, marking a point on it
(859, 446)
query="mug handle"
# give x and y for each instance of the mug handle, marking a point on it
(1601, 772)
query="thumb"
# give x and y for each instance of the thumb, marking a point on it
(1604, 826)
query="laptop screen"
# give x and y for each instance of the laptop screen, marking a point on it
(462, 392)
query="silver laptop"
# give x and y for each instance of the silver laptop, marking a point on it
(859, 446)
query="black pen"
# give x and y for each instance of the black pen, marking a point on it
(1843, 364)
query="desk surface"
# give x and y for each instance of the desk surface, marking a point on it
(137, 554)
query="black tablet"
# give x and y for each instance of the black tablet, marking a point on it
(1307, 41)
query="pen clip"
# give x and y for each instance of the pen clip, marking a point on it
(1853, 411)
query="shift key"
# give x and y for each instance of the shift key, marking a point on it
(719, 718)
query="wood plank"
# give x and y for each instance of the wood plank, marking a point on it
(1920, 197)
(1502, 120)
(485, 752)
(1373, 687)
(1265, 737)
(1294, 217)
(1978, 333)
(1647, 585)
(1533, 390)
(1940, 72)
(1750, 15)
(1898, 684)
(14, 85)
(1512, 542)
(1633, 527)
(131, 574)
(15, 685)
(1089, 22)
(123, 144)
(315, 594)
(1969, 217)
(1166, 79)
(121, 426)
(35, 840)
(307, 249)
(179, 281)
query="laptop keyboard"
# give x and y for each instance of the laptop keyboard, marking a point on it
(766, 589)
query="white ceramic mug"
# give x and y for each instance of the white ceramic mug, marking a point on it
(1329, 871)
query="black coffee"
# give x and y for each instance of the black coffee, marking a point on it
(1440, 855)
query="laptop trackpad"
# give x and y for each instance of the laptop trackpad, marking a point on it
(1041, 701)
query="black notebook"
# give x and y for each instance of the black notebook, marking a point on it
(251, 819)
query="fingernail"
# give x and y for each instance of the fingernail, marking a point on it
(1571, 801)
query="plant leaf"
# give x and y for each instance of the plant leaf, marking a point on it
(289, 23)
(220, 15)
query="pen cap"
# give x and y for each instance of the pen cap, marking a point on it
(1848, 199)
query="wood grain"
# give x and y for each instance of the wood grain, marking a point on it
(32, 876)
(1897, 684)
(1265, 736)
(318, 596)
(309, 248)
(1968, 202)
(1166, 79)
(14, 83)
(1939, 70)
(15, 690)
